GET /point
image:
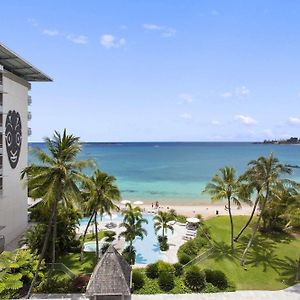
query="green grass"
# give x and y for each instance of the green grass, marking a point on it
(92, 237)
(72, 261)
(270, 262)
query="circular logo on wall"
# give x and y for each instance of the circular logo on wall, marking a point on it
(13, 137)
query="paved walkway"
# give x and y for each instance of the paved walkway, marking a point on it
(292, 293)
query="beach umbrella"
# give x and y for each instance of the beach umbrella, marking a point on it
(125, 202)
(193, 220)
(138, 202)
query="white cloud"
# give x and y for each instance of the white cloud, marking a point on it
(186, 98)
(215, 122)
(242, 91)
(186, 116)
(33, 22)
(294, 120)
(227, 95)
(239, 92)
(164, 30)
(109, 41)
(245, 119)
(78, 39)
(50, 32)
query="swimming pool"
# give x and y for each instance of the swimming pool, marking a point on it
(147, 250)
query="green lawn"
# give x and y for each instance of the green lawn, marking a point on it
(72, 261)
(270, 262)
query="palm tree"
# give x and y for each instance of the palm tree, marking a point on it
(54, 180)
(264, 172)
(226, 186)
(133, 223)
(162, 221)
(100, 192)
(251, 188)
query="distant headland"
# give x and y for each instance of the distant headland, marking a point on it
(290, 141)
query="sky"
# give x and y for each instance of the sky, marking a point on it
(160, 70)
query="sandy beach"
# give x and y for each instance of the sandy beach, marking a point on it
(207, 210)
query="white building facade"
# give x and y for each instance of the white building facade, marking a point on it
(15, 77)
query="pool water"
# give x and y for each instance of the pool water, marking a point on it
(147, 250)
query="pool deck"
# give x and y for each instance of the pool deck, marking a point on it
(175, 240)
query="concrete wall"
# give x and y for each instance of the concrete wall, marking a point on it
(13, 201)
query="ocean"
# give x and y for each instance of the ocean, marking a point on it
(176, 172)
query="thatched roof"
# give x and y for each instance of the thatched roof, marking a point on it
(112, 275)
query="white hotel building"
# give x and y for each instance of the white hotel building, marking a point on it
(15, 77)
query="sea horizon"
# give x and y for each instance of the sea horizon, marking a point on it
(175, 172)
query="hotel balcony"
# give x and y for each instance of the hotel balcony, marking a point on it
(29, 115)
(29, 131)
(29, 100)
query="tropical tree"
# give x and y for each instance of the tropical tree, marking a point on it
(100, 192)
(16, 270)
(226, 186)
(133, 224)
(264, 172)
(162, 221)
(253, 187)
(55, 180)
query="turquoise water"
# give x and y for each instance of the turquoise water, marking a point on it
(176, 172)
(147, 250)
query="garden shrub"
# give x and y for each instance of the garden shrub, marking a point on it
(138, 280)
(166, 281)
(181, 219)
(217, 278)
(184, 258)
(152, 271)
(194, 279)
(80, 283)
(210, 288)
(178, 269)
(165, 267)
(190, 248)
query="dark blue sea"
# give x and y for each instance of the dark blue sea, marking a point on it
(176, 172)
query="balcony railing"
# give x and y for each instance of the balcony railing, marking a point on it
(29, 100)
(29, 115)
(29, 131)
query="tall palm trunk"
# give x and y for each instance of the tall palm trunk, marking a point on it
(243, 259)
(43, 249)
(84, 235)
(248, 222)
(231, 225)
(54, 238)
(97, 242)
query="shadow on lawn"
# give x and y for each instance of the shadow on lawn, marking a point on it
(288, 268)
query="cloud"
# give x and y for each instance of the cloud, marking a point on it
(186, 98)
(294, 121)
(33, 22)
(50, 32)
(109, 41)
(78, 39)
(165, 31)
(186, 116)
(239, 92)
(215, 122)
(245, 119)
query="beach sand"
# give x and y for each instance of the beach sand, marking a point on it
(206, 210)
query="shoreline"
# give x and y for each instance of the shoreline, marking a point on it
(207, 210)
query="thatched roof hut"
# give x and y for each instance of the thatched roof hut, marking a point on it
(111, 278)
